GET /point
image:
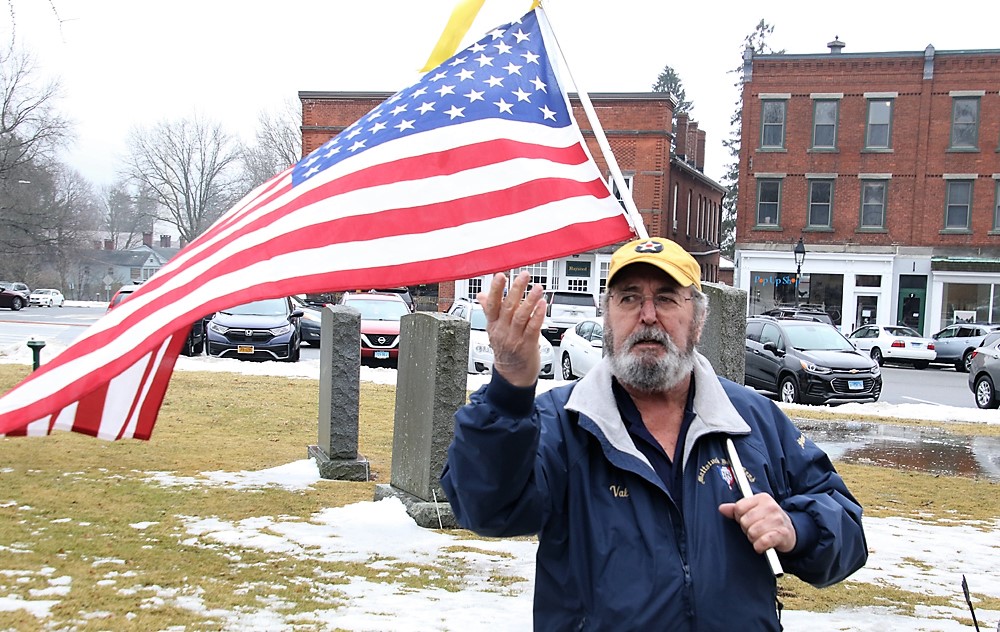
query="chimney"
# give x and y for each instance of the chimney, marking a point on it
(692, 143)
(147, 240)
(109, 244)
(836, 46)
(680, 136)
(164, 241)
(700, 164)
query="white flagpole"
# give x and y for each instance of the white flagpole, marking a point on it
(631, 212)
(744, 485)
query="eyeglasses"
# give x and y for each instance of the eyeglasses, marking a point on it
(664, 302)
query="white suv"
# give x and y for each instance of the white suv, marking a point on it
(480, 351)
(565, 309)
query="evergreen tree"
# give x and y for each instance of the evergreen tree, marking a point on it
(757, 42)
(670, 82)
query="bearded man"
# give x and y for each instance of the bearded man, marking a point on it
(624, 476)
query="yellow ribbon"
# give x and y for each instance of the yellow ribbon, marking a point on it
(458, 25)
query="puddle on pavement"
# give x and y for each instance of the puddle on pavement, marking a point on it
(919, 449)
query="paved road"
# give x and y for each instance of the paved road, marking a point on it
(940, 385)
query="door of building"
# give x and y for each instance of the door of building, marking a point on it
(866, 312)
(911, 308)
(912, 301)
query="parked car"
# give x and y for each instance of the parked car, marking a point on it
(564, 309)
(268, 329)
(11, 300)
(954, 344)
(480, 351)
(312, 318)
(808, 362)
(46, 298)
(195, 342)
(380, 316)
(581, 348)
(403, 292)
(895, 343)
(18, 288)
(984, 372)
(802, 312)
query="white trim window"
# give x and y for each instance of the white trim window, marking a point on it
(820, 203)
(873, 196)
(958, 205)
(616, 191)
(772, 124)
(825, 123)
(964, 123)
(768, 202)
(878, 132)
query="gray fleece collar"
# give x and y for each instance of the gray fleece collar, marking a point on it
(714, 413)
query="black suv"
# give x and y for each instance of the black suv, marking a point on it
(808, 362)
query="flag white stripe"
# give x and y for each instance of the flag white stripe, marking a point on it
(336, 257)
(371, 200)
(431, 141)
(121, 393)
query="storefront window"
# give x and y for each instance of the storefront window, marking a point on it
(772, 289)
(970, 302)
(826, 291)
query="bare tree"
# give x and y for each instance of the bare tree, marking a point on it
(49, 219)
(30, 128)
(278, 145)
(188, 166)
(127, 212)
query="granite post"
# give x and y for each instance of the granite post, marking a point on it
(430, 386)
(336, 452)
(725, 330)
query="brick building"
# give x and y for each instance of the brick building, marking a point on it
(887, 166)
(671, 191)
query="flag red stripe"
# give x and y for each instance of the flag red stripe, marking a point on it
(477, 155)
(158, 389)
(580, 237)
(139, 392)
(363, 228)
(90, 409)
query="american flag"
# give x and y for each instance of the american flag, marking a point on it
(476, 168)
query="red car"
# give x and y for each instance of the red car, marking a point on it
(380, 314)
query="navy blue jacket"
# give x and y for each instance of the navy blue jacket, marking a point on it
(615, 551)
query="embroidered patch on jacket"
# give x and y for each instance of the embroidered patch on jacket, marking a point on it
(725, 469)
(618, 491)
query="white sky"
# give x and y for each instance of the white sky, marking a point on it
(124, 63)
(921, 556)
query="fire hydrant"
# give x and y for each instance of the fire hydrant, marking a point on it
(36, 350)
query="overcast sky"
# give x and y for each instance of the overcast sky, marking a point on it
(124, 63)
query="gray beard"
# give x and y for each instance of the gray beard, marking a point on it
(649, 372)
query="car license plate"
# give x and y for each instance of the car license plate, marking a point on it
(381, 355)
(244, 349)
(856, 385)
(915, 344)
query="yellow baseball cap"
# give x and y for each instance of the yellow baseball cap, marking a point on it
(662, 253)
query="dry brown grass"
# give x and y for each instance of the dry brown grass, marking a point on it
(67, 503)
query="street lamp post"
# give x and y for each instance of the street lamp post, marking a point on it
(800, 255)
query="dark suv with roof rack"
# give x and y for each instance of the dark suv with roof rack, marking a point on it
(801, 312)
(808, 362)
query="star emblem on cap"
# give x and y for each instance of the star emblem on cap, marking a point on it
(649, 246)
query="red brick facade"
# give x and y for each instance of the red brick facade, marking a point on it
(917, 181)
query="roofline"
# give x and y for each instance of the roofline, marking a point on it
(887, 54)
